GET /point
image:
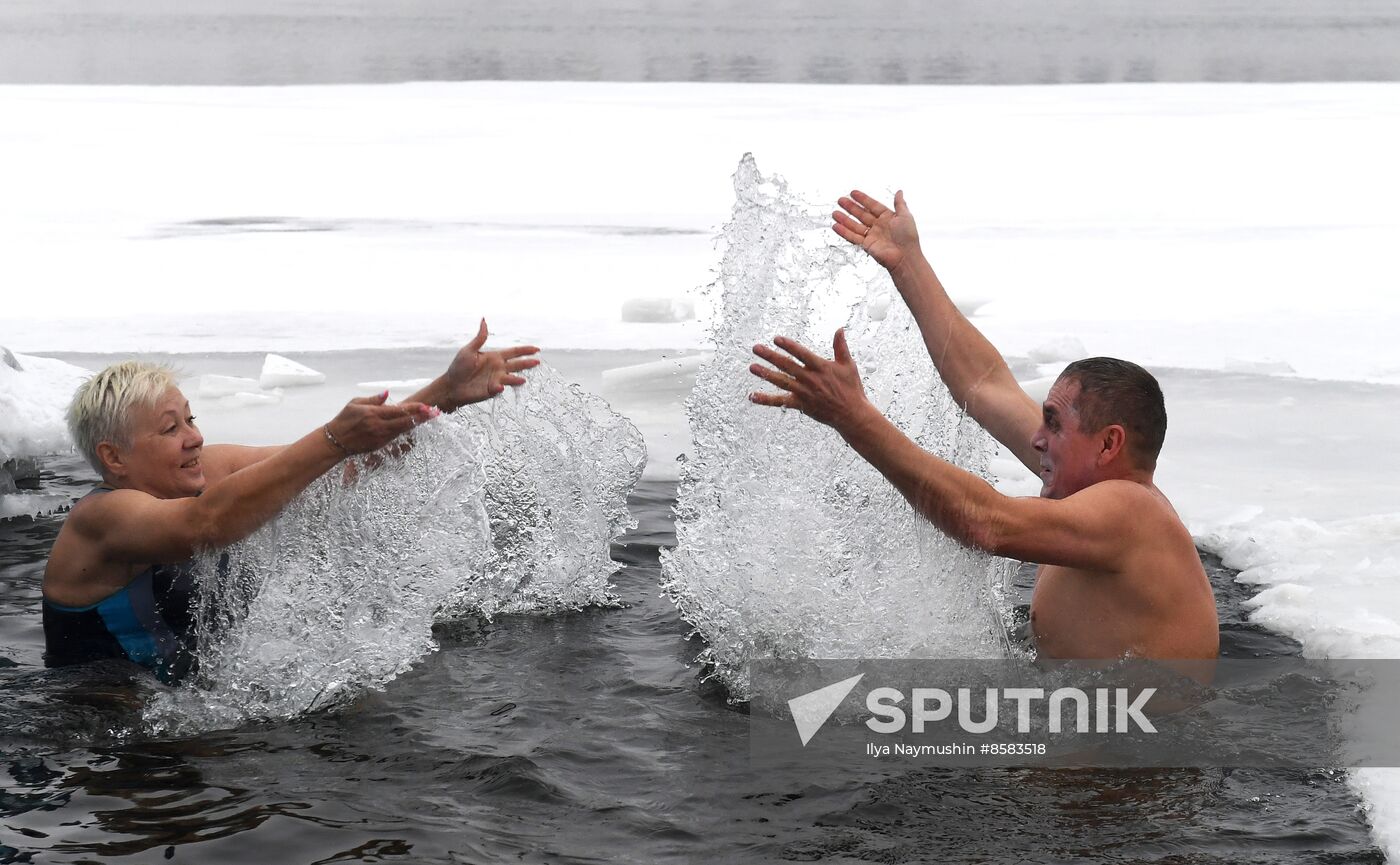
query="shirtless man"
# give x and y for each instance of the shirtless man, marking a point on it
(1119, 574)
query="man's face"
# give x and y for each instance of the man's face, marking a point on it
(1068, 454)
(164, 456)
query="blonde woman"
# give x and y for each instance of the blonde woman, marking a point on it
(117, 583)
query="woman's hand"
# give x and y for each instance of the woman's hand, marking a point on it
(368, 423)
(475, 375)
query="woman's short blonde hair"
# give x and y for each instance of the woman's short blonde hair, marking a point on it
(101, 406)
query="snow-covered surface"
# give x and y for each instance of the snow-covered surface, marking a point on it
(1183, 225)
(33, 400)
(1242, 231)
(212, 385)
(652, 310)
(279, 371)
(397, 389)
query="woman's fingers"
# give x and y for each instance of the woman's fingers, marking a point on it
(480, 339)
(377, 399)
(854, 208)
(871, 206)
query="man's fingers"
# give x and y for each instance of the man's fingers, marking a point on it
(875, 208)
(798, 350)
(519, 364)
(773, 399)
(781, 361)
(839, 347)
(773, 377)
(480, 339)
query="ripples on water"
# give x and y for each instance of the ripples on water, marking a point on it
(580, 737)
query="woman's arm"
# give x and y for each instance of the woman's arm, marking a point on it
(132, 526)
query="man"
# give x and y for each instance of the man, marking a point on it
(1119, 574)
(117, 582)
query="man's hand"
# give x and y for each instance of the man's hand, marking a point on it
(890, 236)
(475, 375)
(828, 391)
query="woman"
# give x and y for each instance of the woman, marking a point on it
(117, 582)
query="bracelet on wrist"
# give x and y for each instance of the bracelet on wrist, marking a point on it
(330, 437)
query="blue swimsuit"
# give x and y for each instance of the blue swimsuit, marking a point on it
(149, 621)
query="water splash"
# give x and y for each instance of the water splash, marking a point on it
(505, 507)
(789, 544)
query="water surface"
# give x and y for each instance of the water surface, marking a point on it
(585, 737)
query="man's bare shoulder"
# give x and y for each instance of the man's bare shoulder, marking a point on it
(1141, 498)
(1138, 510)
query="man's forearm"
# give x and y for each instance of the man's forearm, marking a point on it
(961, 504)
(964, 357)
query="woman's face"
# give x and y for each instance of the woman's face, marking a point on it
(164, 456)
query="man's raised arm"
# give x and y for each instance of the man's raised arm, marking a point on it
(1094, 529)
(975, 372)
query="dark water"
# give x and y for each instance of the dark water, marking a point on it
(829, 41)
(579, 738)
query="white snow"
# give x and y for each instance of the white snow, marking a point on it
(32, 406)
(397, 388)
(675, 375)
(213, 385)
(279, 371)
(30, 504)
(1180, 225)
(657, 309)
(242, 399)
(1064, 348)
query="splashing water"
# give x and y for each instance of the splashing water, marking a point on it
(506, 507)
(789, 544)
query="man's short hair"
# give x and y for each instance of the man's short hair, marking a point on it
(101, 406)
(1113, 391)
